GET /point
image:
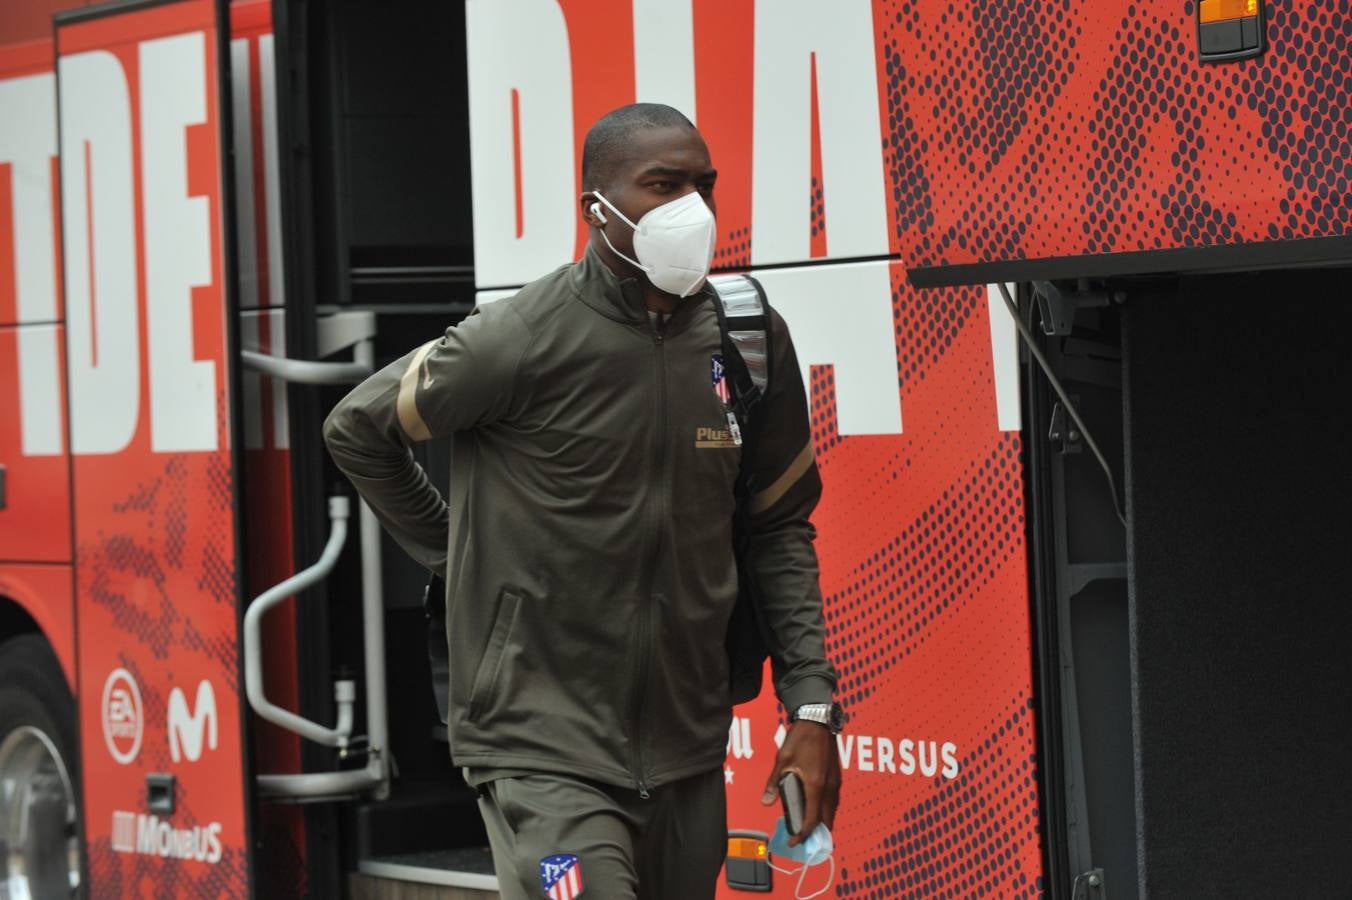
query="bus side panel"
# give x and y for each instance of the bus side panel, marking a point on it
(925, 584)
(35, 476)
(914, 403)
(149, 369)
(1054, 129)
(35, 494)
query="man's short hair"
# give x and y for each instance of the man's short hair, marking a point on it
(609, 140)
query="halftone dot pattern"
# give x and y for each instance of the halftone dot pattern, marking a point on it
(1029, 129)
(823, 401)
(1017, 46)
(128, 572)
(899, 592)
(217, 575)
(121, 559)
(925, 330)
(734, 250)
(818, 206)
(1116, 170)
(971, 836)
(219, 486)
(175, 517)
(905, 148)
(1304, 100)
(216, 569)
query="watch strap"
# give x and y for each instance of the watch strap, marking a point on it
(816, 712)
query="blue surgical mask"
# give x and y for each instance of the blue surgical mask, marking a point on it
(813, 851)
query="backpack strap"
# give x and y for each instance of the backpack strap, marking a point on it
(744, 322)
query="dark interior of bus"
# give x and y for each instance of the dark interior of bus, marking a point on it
(1210, 397)
(379, 132)
(1191, 665)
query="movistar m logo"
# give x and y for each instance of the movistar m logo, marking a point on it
(190, 729)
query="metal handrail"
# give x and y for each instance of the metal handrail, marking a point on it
(317, 785)
(344, 329)
(344, 693)
(339, 331)
(305, 371)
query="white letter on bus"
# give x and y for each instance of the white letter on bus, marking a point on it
(538, 68)
(1004, 360)
(664, 54)
(788, 33)
(842, 316)
(177, 244)
(103, 348)
(246, 217)
(29, 151)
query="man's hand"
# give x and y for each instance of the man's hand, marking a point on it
(810, 752)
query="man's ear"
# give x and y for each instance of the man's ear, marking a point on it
(592, 211)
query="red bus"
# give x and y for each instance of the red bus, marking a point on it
(1066, 284)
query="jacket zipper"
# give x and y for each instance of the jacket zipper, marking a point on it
(650, 570)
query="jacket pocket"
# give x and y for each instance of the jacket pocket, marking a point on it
(482, 688)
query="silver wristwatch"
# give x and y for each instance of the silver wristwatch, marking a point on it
(827, 714)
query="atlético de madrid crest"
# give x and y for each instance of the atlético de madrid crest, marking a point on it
(561, 876)
(720, 377)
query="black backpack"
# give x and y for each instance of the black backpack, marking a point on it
(744, 322)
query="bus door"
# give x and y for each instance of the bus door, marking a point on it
(145, 212)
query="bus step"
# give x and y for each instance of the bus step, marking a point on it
(465, 873)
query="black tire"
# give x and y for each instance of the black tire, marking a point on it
(34, 693)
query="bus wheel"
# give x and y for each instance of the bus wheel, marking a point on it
(39, 803)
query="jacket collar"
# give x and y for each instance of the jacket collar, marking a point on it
(622, 298)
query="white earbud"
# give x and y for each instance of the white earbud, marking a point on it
(596, 210)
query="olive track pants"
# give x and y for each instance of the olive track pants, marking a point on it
(671, 845)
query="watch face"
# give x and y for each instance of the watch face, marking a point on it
(837, 717)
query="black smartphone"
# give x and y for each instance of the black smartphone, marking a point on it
(791, 796)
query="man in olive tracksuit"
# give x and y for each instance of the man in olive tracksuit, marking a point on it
(587, 545)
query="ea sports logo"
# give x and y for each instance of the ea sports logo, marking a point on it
(123, 721)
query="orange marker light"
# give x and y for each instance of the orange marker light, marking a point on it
(1223, 10)
(746, 848)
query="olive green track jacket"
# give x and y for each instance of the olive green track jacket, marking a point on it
(587, 539)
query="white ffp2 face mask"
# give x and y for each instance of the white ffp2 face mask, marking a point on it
(674, 243)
